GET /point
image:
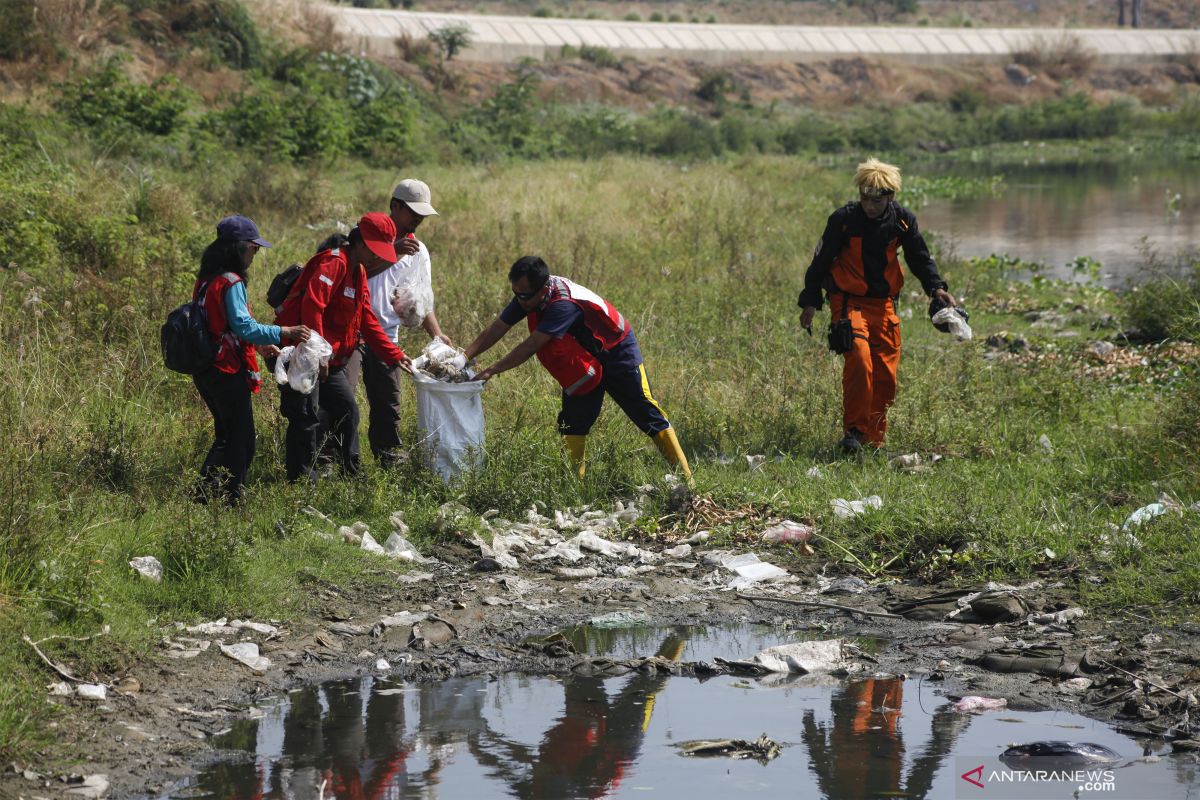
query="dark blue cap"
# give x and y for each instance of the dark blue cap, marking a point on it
(237, 228)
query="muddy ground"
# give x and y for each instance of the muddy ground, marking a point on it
(160, 715)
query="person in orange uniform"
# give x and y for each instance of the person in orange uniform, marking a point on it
(855, 265)
(331, 297)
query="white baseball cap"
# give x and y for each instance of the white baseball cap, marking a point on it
(415, 194)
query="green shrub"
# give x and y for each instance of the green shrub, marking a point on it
(1166, 307)
(109, 102)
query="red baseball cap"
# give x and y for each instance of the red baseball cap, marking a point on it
(379, 233)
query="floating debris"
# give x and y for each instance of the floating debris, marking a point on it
(761, 749)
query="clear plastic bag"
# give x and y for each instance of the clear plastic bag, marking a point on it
(412, 298)
(298, 366)
(449, 414)
(955, 322)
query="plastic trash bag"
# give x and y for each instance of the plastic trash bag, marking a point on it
(298, 366)
(412, 297)
(955, 323)
(450, 417)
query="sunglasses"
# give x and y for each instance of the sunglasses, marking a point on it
(527, 296)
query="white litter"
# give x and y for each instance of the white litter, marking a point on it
(403, 618)
(974, 704)
(371, 546)
(382, 665)
(698, 538)
(247, 653)
(61, 689)
(148, 567)
(93, 786)
(1144, 514)
(814, 473)
(951, 318)
(845, 509)
(1046, 444)
(397, 546)
(788, 531)
(803, 657)
(92, 691)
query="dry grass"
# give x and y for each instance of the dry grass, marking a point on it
(1059, 57)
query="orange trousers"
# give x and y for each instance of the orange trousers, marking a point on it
(869, 369)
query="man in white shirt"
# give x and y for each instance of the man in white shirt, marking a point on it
(402, 297)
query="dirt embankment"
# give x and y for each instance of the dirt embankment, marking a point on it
(487, 609)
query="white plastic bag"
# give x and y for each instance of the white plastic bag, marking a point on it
(412, 297)
(298, 366)
(958, 326)
(450, 415)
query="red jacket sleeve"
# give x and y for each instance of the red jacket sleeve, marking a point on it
(372, 332)
(328, 272)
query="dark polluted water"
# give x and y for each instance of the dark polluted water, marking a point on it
(538, 737)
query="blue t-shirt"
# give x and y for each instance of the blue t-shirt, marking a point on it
(562, 317)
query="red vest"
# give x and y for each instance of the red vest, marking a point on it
(575, 369)
(233, 354)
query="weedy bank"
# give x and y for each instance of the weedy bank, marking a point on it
(100, 443)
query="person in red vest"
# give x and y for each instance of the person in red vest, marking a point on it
(332, 298)
(227, 385)
(589, 348)
(855, 264)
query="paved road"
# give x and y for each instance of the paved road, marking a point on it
(510, 38)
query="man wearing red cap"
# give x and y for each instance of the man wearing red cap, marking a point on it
(331, 297)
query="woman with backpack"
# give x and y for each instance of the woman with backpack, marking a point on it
(226, 386)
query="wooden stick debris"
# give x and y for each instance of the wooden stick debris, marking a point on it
(1140, 678)
(59, 668)
(791, 602)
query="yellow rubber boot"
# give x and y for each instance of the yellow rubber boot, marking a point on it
(668, 445)
(576, 445)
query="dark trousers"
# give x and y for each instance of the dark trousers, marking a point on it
(629, 387)
(384, 386)
(228, 399)
(334, 398)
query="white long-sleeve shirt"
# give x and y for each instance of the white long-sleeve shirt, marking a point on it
(412, 273)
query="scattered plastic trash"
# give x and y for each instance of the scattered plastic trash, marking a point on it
(576, 573)
(93, 786)
(224, 628)
(1101, 349)
(148, 567)
(698, 538)
(382, 665)
(906, 461)
(803, 657)
(788, 531)
(1046, 444)
(754, 462)
(954, 322)
(681, 551)
(844, 509)
(1059, 617)
(92, 691)
(1075, 686)
(371, 546)
(61, 689)
(814, 473)
(397, 546)
(299, 366)
(1144, 514)
(247, 653)
(849, 585)
(974, 704)
(620, 619)
(761, 749)
(412, 298)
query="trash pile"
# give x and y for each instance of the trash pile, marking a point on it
(298, 366)
(445, 363)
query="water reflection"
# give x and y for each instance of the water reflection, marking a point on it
(587, 737)
(1053, 214)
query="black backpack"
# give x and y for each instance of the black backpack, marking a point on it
(281, 286)
(187, 346)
